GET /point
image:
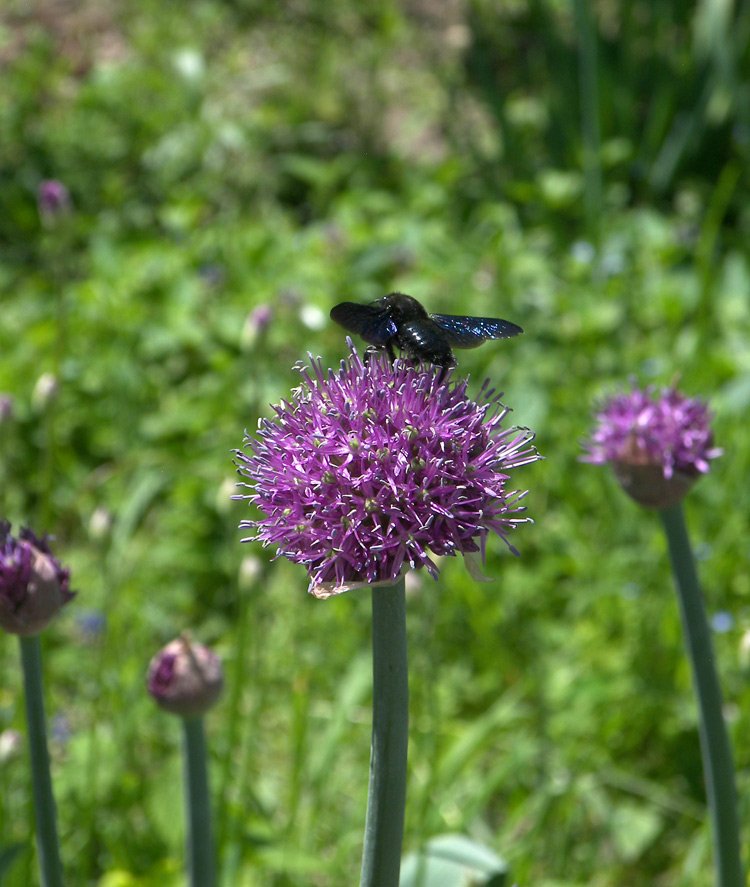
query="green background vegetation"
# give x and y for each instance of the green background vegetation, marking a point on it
(581, 169)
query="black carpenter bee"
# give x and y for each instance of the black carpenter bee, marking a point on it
(401, 321)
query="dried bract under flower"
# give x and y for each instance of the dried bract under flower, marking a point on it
(378, 466)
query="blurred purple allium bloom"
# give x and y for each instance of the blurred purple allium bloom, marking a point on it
(377, 466)
(652, 439)
(53, 199)
(33, 584)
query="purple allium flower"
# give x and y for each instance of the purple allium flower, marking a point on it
(185, 678)
(33, 584)
(378, 466)
(53, 199)
(658, 445)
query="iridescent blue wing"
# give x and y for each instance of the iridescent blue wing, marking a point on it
(368, 321)
(468, 332)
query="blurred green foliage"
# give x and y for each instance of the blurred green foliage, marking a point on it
(580, 170)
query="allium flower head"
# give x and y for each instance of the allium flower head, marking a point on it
(376, 466)
(185, 678)
(657, 444)
(33, 584)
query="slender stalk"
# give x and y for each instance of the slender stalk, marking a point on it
(44, 802)
(386, 799)
(200, 849)
(718, 770)
(588, 79)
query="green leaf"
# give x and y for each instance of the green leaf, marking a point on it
(453, 861)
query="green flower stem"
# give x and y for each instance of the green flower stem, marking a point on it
(386, 799)
(718, 769)
(200, 849)
(44, 802)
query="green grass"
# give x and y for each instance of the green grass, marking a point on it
(229, 156)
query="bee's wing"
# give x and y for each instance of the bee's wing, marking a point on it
(468, 332)
(368, 321)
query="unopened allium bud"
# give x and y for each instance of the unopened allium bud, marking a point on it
(223, 500)
(657, 446)
(250, 569)
(100, 523)
(256, 323)
(312, 317)
(185, 678)
(45, 391)
(11, 743)
(33, 584)
(54, 201)
(744, 649)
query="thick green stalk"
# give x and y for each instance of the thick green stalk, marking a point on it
(200, 849)
(44, 802)
(718, 769)
(384, 826)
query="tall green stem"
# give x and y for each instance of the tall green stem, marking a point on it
(200, 848)
(384, 826)
(588, 78)
(44, 802)
(718, 769)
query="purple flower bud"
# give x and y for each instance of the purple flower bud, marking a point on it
(657, 446)
(185, 678)
(379, 466)
(7, 408)
(33, 584)
(256, 323)
(54, 200)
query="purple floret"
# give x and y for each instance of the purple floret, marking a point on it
(669, 430)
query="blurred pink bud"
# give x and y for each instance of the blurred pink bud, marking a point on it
(54, 200)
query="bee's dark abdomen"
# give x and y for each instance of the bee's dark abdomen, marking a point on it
(422, 339)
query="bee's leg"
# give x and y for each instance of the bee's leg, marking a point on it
(445, 367)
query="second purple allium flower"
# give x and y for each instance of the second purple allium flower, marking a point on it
(657, 444)
(378, 466)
